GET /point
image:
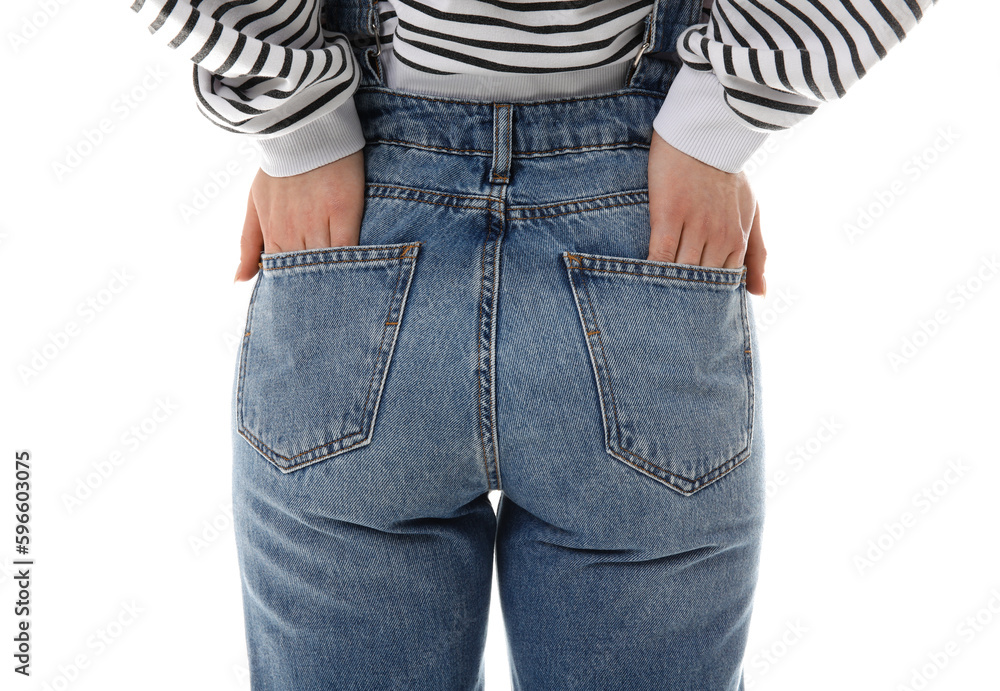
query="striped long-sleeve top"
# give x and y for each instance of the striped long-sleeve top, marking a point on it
(272, 71)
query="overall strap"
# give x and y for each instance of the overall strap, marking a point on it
(358, 20)
(349, 17)
(670, 18)
(657, 65)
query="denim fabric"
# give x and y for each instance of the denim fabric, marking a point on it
(499, 328)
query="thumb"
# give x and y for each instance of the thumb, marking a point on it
(251, 243)
(755, 256)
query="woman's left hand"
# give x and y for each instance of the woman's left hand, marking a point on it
(703, 216)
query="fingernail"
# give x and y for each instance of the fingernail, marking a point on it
(237, 276)
(764, 281)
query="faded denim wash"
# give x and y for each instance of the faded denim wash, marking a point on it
(499, 328)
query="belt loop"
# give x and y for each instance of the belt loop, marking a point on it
(503, 136)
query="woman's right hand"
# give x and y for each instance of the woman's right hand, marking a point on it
(320, 208)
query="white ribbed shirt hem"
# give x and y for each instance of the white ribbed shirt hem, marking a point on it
(696, 119)
(324, 140)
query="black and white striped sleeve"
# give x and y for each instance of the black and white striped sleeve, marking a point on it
(759, 66)
(270, 70)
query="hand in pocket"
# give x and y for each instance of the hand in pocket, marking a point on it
(703, 216)
(320, 208)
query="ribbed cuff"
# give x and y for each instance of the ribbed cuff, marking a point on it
(324, 140)
(696, 119)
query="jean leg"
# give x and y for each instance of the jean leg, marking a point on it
(364, 530)
(335, 604)
(625, 617)
(630, 524)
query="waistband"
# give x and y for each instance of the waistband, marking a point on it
(471, 114)
(623, 118)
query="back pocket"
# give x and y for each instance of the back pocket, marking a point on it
(670, 349)
(321, 330)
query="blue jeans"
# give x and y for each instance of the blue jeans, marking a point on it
(498, 328)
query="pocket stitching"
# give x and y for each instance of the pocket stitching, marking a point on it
(579, 259)
(267, 450)
(378, 363)
(244, 351)
(395, 308)
(299, 253)
(605, 381)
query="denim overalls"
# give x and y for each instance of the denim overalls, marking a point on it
(499, 328)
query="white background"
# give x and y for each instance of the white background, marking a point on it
(875, 553)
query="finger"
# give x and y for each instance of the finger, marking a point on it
(691, 246)
(664, 236)
(344, 233)
(720, 247)
(756, 254)
(315, 228)
(251, 243)
(345, 225)
(735, 259)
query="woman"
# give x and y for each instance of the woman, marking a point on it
(505, 246)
